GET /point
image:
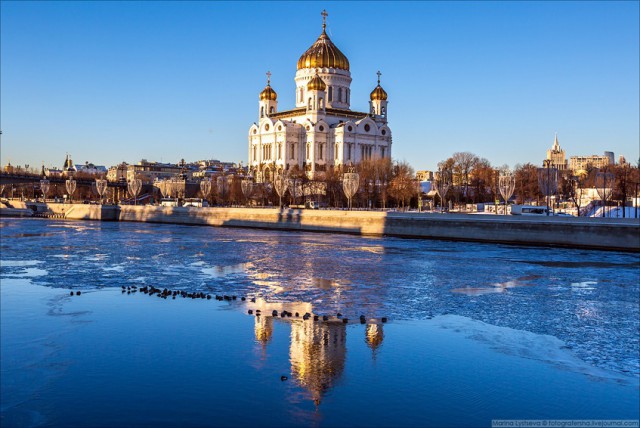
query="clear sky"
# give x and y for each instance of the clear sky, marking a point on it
(121, 81)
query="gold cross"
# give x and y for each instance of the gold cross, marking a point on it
(324, 18)
(379, 74)
(268, 77)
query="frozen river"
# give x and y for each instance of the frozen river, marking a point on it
(476, 331)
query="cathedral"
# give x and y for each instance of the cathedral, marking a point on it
(321, 131)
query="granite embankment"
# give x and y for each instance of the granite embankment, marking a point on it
(597, 233)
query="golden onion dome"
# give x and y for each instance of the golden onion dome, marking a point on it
(316, 84)
(378, 93)
(323, 53)
(268, 94)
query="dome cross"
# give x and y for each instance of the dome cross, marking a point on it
(324, 18)
(379, 74)
(268, 78)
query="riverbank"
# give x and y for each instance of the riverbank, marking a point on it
(593, 233)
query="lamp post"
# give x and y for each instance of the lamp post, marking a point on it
(134, 186)
(71, 188)
(221, 186)
(247, 188)
(604, 186)
(350, 184)
(45, 185)
(442, 182)
(101, 186)
(507, 184)
(370, 190)
(280, 184)
(205, 187)
(548, 181)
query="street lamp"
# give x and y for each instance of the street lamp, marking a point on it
(280, 184)
(442, 183)
(604, 186)
(548, 181)
(71, 187)
(101, 186)
(45, 185)
(247, 188)
(507, 184)
(205, 187)
(350, 184)
(134, 186)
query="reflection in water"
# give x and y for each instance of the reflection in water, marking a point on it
(318, 349)
(318, 352)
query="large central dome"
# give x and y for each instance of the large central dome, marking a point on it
(323, 54)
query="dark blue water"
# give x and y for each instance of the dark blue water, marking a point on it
(476, 331)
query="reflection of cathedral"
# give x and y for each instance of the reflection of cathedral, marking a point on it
(318, 349)
(321, 131)
(318, 352)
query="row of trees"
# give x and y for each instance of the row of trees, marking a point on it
(474, 179)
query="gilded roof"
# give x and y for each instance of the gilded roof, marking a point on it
(323, 54)
(268, 94)
(316, 84)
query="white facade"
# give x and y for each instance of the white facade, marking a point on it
(321, 131)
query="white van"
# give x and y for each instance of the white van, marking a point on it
(530, 210)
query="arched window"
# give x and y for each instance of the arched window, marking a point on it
(340, 94)
(320, 147)
(330, 93)
(293, 148)
(279, 151)
(335, 153)
(271, 109)
(373, 109)
(310, 104)
(321, 104)
(262, 111)
(255, 153)
(384, 111)
(349, 152)
(308, 151)
(301, 94)
(348, 95)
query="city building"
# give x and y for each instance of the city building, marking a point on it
(580, 164)
(321, 131)
(91, 169)
(118, 172)
(424, 175)
(557, 156)
(150, 171)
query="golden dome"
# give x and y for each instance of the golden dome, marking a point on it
(268, 94)
(323, 53)
(316, 84)
(378, 93)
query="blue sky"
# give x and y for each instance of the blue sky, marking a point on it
(121, 81)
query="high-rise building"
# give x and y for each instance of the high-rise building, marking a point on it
(557, 156)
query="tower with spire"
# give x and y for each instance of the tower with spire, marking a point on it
(321, 131)
(557, 156)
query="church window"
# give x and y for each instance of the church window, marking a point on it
(340, 94)
(320, 147)
(310, 104)
(293, 147)
(321, 128)
(266, 127)
(255, 152)
(308, 151)
(382, 151)
(330, 93)
(373, 109)
(367, 128)
(349, 152)
(348, 95)
(279, 151)
(301, 94)
(321, 104)
(279, 127)
(335, 153)
(308, 128)
(349, 128)
(383, 132)
(255, 131)
(262, 111)
(271, 109)
(384, 111)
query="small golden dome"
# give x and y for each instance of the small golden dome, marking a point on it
(316, 84)
(268, 94)
(323, 53)
(378, 94)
